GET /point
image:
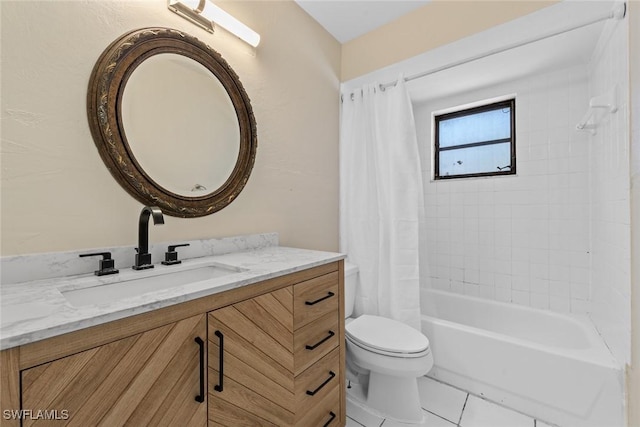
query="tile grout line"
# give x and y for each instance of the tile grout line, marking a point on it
(446, 384)
(463, 407)
(482, 397)
(437, 380)
(439, 416)
(356, 421)
(468, 394)
(493, 402)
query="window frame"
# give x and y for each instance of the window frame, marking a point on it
(510, 103)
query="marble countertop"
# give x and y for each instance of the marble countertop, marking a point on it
(35, 310)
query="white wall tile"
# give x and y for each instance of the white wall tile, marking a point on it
(556, 235)
(609, 177)
(521, 297)
(580, 306)
(540, 300)
(507, 228)
(560, 303)
(502, 294)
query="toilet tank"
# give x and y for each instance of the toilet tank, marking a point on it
(350, 285)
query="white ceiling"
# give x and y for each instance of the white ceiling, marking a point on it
(348, 19)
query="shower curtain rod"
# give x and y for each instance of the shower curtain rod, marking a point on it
(618, 12)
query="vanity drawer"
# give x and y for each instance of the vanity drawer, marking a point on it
(326, 413)
(321, 379)
(315, 340)
(314, 298)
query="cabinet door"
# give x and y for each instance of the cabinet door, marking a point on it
(152, 378)
(251, 362)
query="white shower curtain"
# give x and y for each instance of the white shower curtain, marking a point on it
(381, 200)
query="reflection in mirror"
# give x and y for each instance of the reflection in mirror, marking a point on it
(180, 124)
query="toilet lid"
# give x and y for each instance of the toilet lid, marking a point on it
(386, 334)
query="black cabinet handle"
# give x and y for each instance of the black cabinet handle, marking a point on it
(331, 376)
(329, 295)
(312, 347)
(333, 416)
(219, 387)
(200, 397)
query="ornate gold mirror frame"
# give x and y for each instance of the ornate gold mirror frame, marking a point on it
(106, 88)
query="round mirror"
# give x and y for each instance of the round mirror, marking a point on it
(172, 122)
(170, 106)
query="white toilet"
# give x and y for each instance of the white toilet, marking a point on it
(385, 358)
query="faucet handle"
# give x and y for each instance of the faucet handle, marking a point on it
(171, 256)
(107, 265)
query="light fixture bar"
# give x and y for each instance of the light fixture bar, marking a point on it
(184, 9)
(204, 14)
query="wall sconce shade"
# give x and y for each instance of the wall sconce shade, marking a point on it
(204, 14)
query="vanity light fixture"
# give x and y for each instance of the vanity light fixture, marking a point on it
(204, 14)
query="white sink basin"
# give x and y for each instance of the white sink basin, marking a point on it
(131, 287)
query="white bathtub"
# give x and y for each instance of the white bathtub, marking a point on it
(550, 366)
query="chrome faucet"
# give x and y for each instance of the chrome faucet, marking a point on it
(143, 257)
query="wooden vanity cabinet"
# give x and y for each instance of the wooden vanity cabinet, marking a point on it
(318, 343)
(151, 378)
(274, 360)
(282, 348)
(251, 362)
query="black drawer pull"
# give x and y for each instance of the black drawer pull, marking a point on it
(218, 387)
(333, 416)
(329, 295)
(200, 397)
(312, 347)
(331, 376)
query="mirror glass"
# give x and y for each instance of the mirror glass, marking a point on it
(180, 124)
(172, 121)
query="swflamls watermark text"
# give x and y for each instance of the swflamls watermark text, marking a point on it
(35, 414)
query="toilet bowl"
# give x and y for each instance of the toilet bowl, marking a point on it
(385, 357)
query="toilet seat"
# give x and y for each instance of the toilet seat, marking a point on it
(386, 336)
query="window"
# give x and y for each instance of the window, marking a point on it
(478, 141)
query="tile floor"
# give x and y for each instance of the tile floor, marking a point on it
(446, 406)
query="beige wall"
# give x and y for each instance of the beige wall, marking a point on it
(633, 374)
(56, 192)
(435, 24)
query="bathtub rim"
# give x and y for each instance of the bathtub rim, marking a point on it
(597, 352)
